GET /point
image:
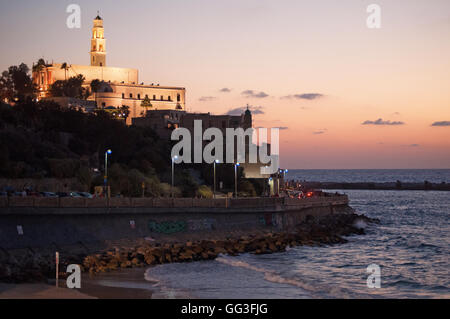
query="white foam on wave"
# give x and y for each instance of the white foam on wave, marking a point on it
(271, 276)
(359, 223)
(162, 291)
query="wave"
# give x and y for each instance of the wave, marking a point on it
(316, 290)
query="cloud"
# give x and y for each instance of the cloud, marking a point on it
(206, 98)
(251, 93)
(413, 145)
(441, 123)
(304, 96)
(281, 128)
(225, 90)
(320, 131)
(239, 110)
(380, 121)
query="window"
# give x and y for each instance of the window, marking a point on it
(169, 98)
(178, 97)
(101, 64)
(162, 98)
(154, 97)
(139, 96)
(123, 95)
(131, 95)
(103, 104)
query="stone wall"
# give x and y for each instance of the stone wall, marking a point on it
(48, 222)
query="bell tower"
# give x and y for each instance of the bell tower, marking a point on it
(98, 43)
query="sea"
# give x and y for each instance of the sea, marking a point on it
(410, 248)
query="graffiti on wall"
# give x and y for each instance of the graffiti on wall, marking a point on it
(270, 219)
(201, 224)
(171, 227)
(168, 227)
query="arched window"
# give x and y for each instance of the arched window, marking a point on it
(131, 95)
(178, 97)
(123, 95)
(139, 96)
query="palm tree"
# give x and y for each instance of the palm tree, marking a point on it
(66, 67)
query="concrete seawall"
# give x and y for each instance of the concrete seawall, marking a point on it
(48, 222)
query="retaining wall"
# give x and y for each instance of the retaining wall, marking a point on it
(46, 222)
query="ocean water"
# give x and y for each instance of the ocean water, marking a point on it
(371, 175)
(411, 246)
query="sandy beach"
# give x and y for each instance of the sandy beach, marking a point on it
(105, 286)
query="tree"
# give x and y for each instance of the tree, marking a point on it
(73, 87)
(95, 85)
(146, 103)
(66, 67)
(124, 110)
(39, 65)
(16, 84)
(204, 192)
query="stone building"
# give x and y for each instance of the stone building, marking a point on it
(123, 87)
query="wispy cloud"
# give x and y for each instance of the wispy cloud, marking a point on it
(254, 94)
(207, 98)
(225, 90)
(281, 128)
(239, 110)
(441, 123)
(304, 96)
(320, 131)
(412, 145)
(380, 121)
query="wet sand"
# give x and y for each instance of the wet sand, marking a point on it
(105, 286)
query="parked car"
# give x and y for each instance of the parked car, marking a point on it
(85, 194)
(62, 194)
(48, 194)
(34, 194)
(75, 195)
(20, 194)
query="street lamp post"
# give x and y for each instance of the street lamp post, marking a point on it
(173, 181)
(108, 152)
(235, 179)
(215, 162)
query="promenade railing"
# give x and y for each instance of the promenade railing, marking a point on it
(123, 202)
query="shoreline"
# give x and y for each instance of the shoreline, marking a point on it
(137, 255)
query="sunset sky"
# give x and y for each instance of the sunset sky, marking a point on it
(312, 68)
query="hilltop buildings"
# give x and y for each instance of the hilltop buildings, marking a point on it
(163, 108)
(122, 84)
